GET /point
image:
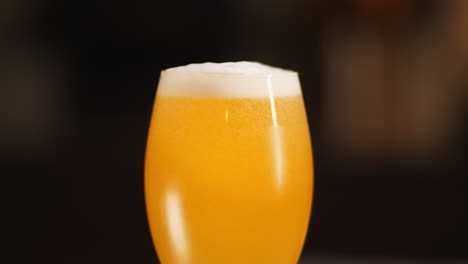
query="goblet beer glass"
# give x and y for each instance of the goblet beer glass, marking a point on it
(228, 170)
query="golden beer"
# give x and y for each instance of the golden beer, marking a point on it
(228, 172)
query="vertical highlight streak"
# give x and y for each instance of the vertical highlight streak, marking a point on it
(276, 139)
(272, 101)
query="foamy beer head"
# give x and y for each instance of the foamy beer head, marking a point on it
(229, 79)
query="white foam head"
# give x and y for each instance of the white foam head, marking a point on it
(229, 79)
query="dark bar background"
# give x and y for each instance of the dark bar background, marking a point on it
(79, 79)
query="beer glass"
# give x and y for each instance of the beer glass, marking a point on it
(228, 170)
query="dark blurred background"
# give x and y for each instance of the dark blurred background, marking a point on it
(385, 85)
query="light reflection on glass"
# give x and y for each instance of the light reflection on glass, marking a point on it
(277, 152)
(276, 139)
(226, 114)
(175, 223)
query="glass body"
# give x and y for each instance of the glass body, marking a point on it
(228, 177)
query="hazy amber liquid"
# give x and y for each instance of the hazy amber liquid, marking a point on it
(228, 180)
